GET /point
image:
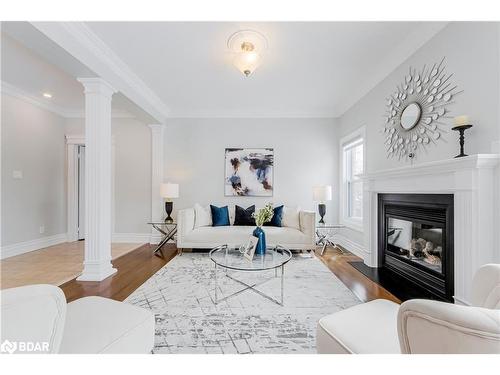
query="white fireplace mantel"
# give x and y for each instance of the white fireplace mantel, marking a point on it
(471, 180)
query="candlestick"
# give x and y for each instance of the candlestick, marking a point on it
(461, 129)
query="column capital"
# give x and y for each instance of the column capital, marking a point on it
(96, 85)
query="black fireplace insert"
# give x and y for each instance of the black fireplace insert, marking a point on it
(415, 241)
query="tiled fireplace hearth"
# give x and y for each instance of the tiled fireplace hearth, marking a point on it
(464, 192)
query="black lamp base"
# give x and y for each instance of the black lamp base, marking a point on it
(168, 209)
(322, 212)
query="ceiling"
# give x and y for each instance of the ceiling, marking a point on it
(311, 69)
(31, 65)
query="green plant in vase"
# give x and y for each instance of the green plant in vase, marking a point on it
(262, 216)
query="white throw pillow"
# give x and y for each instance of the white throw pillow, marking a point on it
(202, 216)
(291, 217)
(231, 213)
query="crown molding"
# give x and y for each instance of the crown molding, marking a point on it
(81, 42)
(257, 115)
(16, 92)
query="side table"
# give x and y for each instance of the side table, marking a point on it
(167, 230)
(325, 235)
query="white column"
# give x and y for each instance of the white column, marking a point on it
(97, 264)
(157, 133)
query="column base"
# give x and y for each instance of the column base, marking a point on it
(96, 271)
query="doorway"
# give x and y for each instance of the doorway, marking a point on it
(76, 159)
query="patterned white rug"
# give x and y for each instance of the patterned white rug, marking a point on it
(187, 320)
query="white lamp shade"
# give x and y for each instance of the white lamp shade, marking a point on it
(322, 193)
(169, 190)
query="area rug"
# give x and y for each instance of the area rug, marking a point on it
(181, 295)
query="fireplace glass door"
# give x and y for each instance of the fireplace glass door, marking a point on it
(416, 242)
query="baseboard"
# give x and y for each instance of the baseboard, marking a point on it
(353, 247)
(32, 245)
(135, 238)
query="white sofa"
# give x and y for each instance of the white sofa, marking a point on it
(89, 325)
(206, 237)
(418, 326)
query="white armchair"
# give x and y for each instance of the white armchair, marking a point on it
(40, 316)
(419, 326)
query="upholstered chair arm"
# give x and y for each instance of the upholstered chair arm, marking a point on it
(185, 221)
(486, 287)
(306, 219)
(426, 326)
(34, 314)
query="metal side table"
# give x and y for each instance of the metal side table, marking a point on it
(168, 232)
(325, 234)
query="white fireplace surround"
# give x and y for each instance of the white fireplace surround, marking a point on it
(471, 180)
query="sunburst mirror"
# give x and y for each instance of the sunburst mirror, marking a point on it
(416, 110)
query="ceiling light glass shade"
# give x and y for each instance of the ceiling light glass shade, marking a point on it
(246, 62)
(248, 47)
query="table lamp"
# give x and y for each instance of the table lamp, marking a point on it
(322, 194)
(169, 191)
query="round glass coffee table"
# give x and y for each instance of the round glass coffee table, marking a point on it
(230, 258)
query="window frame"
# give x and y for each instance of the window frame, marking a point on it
(349, 141)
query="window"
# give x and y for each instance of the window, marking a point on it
(352, 149)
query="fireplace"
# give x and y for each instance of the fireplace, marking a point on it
(415, 234)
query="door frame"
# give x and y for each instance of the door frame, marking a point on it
(72, 143)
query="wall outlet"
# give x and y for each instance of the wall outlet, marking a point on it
(18, 175)
(42, 229)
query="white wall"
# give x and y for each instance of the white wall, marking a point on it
(472, 55)
(32, 142)
(305, 154)
(132, 193)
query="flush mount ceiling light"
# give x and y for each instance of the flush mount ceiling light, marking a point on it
(47, 95)
(248, 47)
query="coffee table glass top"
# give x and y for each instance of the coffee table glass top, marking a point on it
(230, 257)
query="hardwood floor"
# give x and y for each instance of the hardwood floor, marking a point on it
(364, 288)
(137, 266)
(133, 269)
(52, 265)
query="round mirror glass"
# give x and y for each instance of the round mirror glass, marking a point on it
(410, 116)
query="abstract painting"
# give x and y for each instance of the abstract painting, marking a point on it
(249, 172)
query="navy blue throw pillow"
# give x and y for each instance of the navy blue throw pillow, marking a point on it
(220, 216)
(244, 216)
(277, 217)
